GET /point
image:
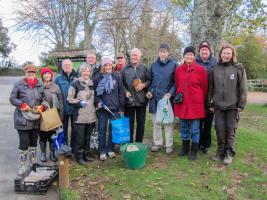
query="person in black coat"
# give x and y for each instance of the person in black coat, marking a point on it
(136, 80)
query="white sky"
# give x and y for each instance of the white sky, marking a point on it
(26, 49)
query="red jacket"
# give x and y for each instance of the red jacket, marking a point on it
(192, 81)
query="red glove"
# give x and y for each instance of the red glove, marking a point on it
(39, 109)
(25, 107)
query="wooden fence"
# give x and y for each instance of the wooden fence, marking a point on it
(257, 85)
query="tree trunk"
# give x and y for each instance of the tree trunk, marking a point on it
(207, 22)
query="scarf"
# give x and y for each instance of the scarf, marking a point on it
(31, 82)
(105, 85)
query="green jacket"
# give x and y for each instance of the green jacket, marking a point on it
(228, 86)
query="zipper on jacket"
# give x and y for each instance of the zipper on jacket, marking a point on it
(223, 81)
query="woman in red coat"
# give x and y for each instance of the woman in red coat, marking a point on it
(191, 82)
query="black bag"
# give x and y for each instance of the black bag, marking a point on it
(178, 98)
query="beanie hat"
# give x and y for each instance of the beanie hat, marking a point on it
(47, 70)
(164, 46)
(106, 60)
(204, 44)
(190, 49)
(30, 67)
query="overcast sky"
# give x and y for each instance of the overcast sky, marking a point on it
(27, 50)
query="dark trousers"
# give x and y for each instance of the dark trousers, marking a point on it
(140, 113)
(104, 119)
(82, 139)
(205, 131)
(65, 128)
(28, 138)
(226, 125)
(46, 136)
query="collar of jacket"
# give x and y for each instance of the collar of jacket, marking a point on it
(71, 76)
(164, 62)
(190, 67)
(48, 86)
(23, 82)
(199, 59)
(226, 64)
(84, 82)
(137, 66)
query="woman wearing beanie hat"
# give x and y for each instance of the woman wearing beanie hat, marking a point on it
(53, 96)
(27, 96)
(110, 93)
(191, 82)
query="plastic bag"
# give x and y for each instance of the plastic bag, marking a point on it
(58, 139)
(120, 130)
(164, 114)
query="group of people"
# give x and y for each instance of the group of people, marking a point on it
(90, 98)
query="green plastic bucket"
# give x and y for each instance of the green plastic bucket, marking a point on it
(136, 158)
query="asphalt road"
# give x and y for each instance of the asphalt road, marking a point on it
(9, 148)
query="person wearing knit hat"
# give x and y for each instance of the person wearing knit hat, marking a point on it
(109, 94)
(26, 96)
(47, 70)
(189, 49)
(162, 88)
(208, 61)
(106, 60)
(53, 97)
(164, 46)
(191, 82)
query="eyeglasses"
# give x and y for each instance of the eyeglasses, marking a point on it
(31, 72)
(119, 57)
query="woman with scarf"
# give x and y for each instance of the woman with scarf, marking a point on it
(27, 96)
(81, 96)
(109, 93)
(53, 97)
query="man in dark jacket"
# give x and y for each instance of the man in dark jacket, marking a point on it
(162, 86)
(63, 81)
(91, 60)
(136, 80)
(207, 60)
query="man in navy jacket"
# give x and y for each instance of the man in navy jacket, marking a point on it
(162, 86)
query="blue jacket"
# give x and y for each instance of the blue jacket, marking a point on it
(209, 64)
(162, 75)
(64, 81)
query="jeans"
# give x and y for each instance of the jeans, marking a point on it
(190, 129)
(140, 113)
(104, 120)
(65, 128)
(28, 138)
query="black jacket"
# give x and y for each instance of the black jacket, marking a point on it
(129, 74)
(116, 99)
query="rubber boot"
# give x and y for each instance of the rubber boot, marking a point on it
(185, 148)
(32, 156)
(22, 162)
(193, 154)
(43, 151)
(52, 155)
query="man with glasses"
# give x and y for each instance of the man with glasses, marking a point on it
(120, 62)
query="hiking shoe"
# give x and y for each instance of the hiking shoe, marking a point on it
(81, 161)
(155, 148)
(103, 156)
(228, 160)
(111, 154)
(169, 150)
(205, 150)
